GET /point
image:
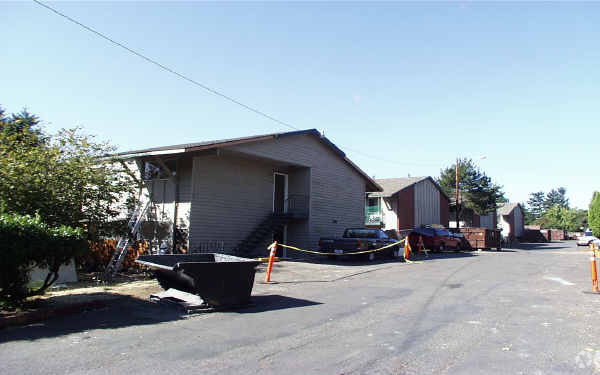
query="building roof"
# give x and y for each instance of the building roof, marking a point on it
(507, 208)
(207, 145)
(392, 186)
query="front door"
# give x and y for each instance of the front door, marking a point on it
(279, 192)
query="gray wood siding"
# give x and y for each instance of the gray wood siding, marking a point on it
(230, 197)
(519, 225)
(337, 191)
(184, 171)
(427, 203)
(298, 184)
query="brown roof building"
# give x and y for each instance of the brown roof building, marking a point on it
(407, 203)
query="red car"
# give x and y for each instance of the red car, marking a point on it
(435, 239)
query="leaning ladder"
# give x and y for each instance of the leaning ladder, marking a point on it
(122, 246)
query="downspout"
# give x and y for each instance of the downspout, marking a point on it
(176, 207)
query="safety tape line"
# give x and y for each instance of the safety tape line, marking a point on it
(410, 251)
(353, 253)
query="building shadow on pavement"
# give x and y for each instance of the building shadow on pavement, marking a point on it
(271, 302)
(554, 245)
(117, 311)
(357, 261)
(110, 311)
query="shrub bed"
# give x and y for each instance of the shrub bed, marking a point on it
(101, 253)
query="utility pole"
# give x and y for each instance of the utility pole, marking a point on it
(456, 170)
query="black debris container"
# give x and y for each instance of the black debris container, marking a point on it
(220, 280)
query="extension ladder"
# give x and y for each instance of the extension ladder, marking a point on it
(122, 246)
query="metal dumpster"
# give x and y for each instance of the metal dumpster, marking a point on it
(220, 280)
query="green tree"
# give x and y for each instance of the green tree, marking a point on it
(569, 219)
(528, 217)
(594, 214)
(535, 204)
(68, 181)
(22, 124)
(557, 217)
(67, 178)
(477, 193)
(557, 197)
(551, 219)
(582, 220)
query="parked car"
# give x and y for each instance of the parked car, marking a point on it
(360, 239)
(435, 239)
(586, 239)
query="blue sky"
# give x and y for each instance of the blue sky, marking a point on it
(413, 85)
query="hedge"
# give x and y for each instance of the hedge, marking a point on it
(27, 242)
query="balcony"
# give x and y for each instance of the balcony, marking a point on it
(296, 206)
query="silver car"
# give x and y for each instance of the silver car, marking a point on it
(586, 239)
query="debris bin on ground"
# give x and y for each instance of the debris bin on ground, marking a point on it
(220, 280)
(482, 238)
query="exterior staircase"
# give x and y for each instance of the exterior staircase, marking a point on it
(272, 224)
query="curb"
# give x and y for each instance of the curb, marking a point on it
(36, 316)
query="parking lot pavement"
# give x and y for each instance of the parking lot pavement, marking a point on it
(522, 310)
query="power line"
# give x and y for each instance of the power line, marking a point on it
(194, 82)
(152, 61)
(389, 161)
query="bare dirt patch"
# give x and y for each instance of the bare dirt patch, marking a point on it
(88, 293)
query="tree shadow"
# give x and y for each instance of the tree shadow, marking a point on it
(110, 311)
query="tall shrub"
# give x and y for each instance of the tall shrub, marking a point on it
(27, 242)
(594, 214)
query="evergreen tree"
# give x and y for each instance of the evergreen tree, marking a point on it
(478, 194)
(527, 215)
(557, 197)
(19, 125)
(536, 204)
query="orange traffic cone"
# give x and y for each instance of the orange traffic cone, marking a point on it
(594, 271)
(273, 248)
(407, 248)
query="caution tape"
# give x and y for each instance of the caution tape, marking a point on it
(340, 254)
(407, 251)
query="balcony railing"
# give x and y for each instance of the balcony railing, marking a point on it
(296, 205)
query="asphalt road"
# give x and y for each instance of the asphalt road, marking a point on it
(522, 311)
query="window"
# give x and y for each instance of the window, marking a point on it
(154, 172)
(373, 202)
(373, 211)
(361, 233)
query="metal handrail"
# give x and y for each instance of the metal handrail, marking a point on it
(296, 204)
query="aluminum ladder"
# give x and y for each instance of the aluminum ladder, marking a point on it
(122, 246)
